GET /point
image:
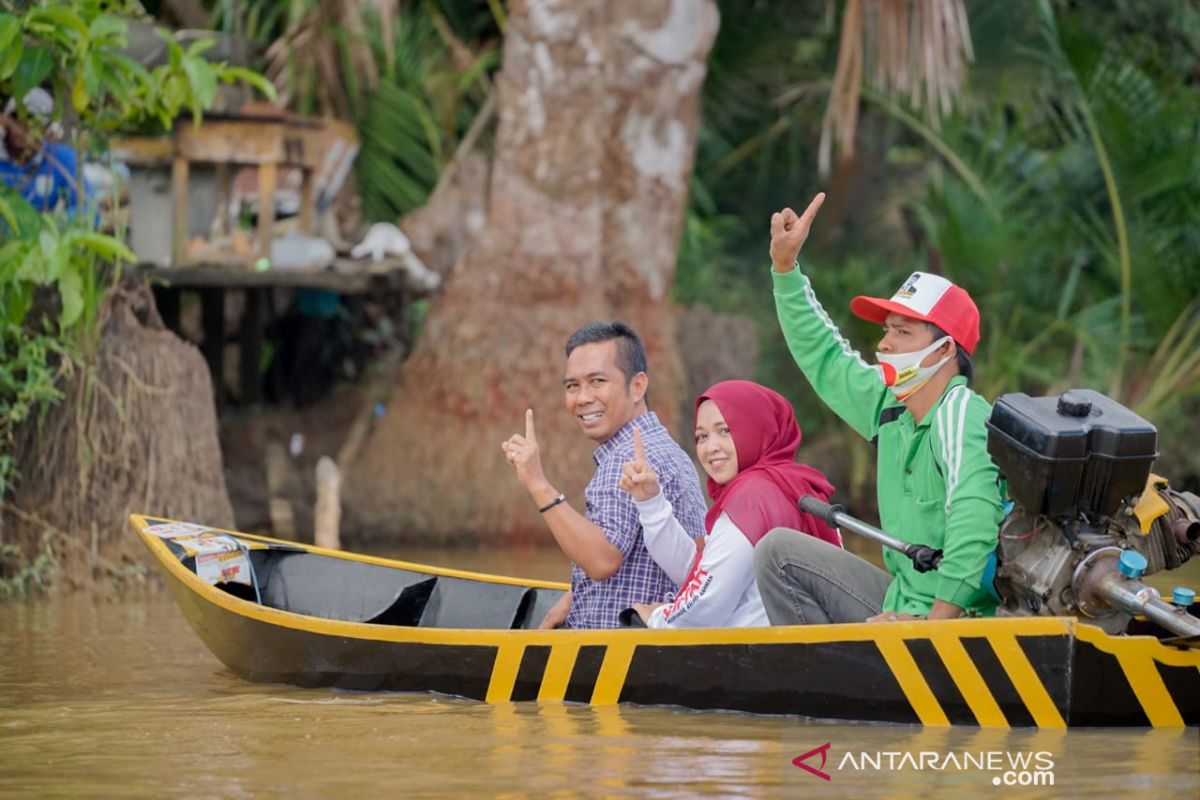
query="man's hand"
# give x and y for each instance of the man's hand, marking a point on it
(892, 616)
(940, 610)
(639, 479)
(557, 614)
(522, 453)
(788, 233)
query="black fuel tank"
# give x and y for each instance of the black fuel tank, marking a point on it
(1078, 451)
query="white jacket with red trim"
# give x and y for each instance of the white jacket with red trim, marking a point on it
(720, 592)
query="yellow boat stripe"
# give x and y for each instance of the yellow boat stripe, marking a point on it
(558, 671)
(504, 672)
(911, 681)
(1026, 681)
(613, 670)
(974, 690)
(1147, 684)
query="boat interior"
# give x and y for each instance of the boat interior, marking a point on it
(316, 585)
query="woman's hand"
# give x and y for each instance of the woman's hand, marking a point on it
(645, 610)
(639, 478)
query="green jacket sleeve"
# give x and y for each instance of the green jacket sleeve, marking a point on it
(844, 382)
(973, 503)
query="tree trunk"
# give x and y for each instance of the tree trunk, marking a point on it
(598, 114)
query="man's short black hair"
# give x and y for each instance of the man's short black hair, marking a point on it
(965, 367)
(631, 356)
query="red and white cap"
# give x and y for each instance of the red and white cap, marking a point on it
(929, 298)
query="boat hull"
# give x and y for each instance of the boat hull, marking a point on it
(1012, 672)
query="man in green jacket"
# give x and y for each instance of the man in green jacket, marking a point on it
(936, 483)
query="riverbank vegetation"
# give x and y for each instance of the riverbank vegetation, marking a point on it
(60, 269)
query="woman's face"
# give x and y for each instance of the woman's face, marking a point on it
(714, 444)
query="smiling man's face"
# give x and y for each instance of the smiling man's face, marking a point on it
(597, 393)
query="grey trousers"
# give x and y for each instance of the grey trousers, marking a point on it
(805, 581)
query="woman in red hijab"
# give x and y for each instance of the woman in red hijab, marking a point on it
(746, 440)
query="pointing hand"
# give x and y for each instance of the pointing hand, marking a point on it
(523, 454)
(788, 233)
(639, 478)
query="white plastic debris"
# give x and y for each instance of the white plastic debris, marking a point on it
(384, 239)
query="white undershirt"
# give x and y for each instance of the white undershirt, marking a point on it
(723, 593)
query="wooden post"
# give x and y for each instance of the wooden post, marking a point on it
(283, 522)
(179, 211)
(266, 208)
(219, 226)
(328, 514)
(250, 347)
(307, 201)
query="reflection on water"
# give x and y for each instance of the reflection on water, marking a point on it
(122, 700)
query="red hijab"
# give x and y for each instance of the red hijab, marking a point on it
(766, 436)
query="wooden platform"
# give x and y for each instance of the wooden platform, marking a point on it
(346, 276)
(213, 278)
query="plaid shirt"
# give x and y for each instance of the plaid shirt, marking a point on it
(596, 604)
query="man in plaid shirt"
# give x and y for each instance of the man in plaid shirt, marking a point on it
(605, 386)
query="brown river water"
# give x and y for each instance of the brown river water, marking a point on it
(119, 698)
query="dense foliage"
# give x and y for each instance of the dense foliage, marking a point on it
(55, 265)
(1063, 193)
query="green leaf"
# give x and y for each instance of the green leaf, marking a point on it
(70, 290)
(480, 67)
(48, 247)
(79, 92)
(7, 215)
(110, 29)
(26, 219)
(232, 74)
(203, 82)
(35, 64)
(174, 94)
(131, 68)
(106, 247)
(56, 20)
(11, 44)
(198, 47)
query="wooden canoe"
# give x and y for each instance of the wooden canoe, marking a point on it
(281, 612)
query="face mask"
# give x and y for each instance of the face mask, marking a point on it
(903, 373)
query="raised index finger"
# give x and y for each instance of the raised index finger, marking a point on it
(639, 450)
(529, 434)
(813, 208)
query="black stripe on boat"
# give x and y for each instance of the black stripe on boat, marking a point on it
(530, 673)
(940, 683)
(1050, 657)
(583, 676)
(1100, 691)
(997, 679)
(1183, 684)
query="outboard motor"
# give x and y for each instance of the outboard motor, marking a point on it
(1090, 519)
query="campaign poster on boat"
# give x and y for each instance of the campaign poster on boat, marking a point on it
(224, 567)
